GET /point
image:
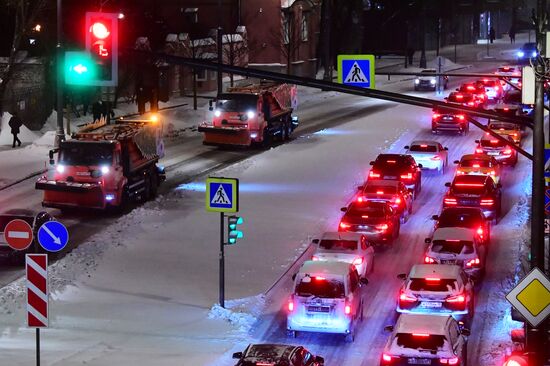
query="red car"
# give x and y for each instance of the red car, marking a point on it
(399, 167)
(475, 191)
(378, 221)
(466, 99)
(475, 89)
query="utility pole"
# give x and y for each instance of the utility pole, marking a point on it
(59, 133)
(327, 60)
(220, 47)
(423, 64)
(535, 341)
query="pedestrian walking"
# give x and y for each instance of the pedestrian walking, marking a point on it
(492, 34)
(107, 113)
(512, 34)
(15, 124)
(97, 109)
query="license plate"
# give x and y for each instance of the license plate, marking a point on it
(420, 361)
(448, 261)
(318, 309)
(430, 304)
(448, 118)
(493, 153)
(390, 177)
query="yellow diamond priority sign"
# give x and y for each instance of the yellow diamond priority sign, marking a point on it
(531, 297)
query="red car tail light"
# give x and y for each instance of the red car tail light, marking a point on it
(487, 202)
(408, 176)
(358, 261)
(473, 262)
(407, 298)
(458, 299)
(372, 174)
(360, 199)
(461, 117)
(492, 172)
(347, 309)
(471, 104)
(397, 200)
(479, 151)
(387, 359)
(507, 152)
(290, 305)
(429, 260)
(480, 231)
(344, 225)
(450, 201)
(314, 258)
(449, 361)
(436, 115)
(382, 227)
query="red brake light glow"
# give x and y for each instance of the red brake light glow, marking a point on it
(473, 262)
(314, 258)
(507, 151)
(433, 279)
(423, 335)
(480, 231)
(461, 117)
(456, 299)
(360, 199)
(372, 174)
(470, 87)
(290, 305)
(343, 225)
(320, 278)
(407, 176)
(436, 115)
(397, 200)
(429, 260)
(382, 227)
(386, 357)
(347, 309)
(391, 161)
(450, 201)
(459, 96)
(470, 103)
(358, 261)
(449, 361)
(487, 202)
(407, 298)
(469, 184)
(423, 145)
(379, 192)
(479, 151)
(476, 166)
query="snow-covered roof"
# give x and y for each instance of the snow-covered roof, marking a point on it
(232, 38)
(203, 42)
(171, 37)
(382, 183)
(241, 29)
(424, 142)
(453, 233)
(422, 323)
(475, 157)
(325, 268)
(335, 235)
(437, 270)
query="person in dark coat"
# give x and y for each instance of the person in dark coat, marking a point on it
(492, 34)
(97, 109)
(512, 34)
(15, 124)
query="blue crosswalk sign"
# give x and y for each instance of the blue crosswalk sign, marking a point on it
(53, 236)
(356, 70)
(222, 194)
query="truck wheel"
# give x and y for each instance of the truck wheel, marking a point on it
(153, 184)
(145, 195)
(282, 132)
(266, 143)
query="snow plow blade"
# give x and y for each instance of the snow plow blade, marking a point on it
(70, 194)
(225, 136)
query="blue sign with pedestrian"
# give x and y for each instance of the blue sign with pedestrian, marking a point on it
(222, 194)
(53, 236)
(356, 70)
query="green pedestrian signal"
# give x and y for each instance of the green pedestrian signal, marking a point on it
(233, 233)
(79, 68)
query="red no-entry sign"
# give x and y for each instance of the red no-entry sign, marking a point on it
(18, 234)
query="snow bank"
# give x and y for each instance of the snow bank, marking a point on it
(241, 313)
(6, 138)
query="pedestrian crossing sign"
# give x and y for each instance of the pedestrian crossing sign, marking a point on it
(222, 194)
(356, 70)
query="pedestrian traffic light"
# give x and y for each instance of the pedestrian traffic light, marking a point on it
(233, 233)
(79, 68)
(102, 44)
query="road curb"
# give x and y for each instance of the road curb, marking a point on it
(32, 175)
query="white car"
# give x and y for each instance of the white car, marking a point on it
(431, 154)
(438, 289)
(353, 248)
(457, 245)
(428, 80)
(425, 340)
(512, 72)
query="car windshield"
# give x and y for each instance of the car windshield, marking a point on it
(529, 46)
(505, 126)
(459, 219)
(331, 244)
(453, 246)
(320, 287)
(493, 143)
(380, 189)
(423, 148)
(86, 154)
(236, 103)
(476, 163)
(420, 341)
(434, 284)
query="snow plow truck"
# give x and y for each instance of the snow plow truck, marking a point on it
(252, 114)
(106, 166)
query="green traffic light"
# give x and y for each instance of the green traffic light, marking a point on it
(79, 68)
(236, 234)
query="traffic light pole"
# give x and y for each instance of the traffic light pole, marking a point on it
(219, 41)
(535, 340)
(222, 261)
(60, 133)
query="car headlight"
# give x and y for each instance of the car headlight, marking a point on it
(521, 53)
(60, 168)
(534, 54)
(432, 81)
(250, 114)
(417, 81)
(104, 169)
(217, 113)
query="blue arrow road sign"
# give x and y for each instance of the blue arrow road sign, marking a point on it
(356, 70)
(53, 236)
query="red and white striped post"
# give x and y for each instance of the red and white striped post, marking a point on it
(37, 295)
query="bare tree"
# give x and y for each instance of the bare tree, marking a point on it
(287, 37)
(25, 12)
(235, 51)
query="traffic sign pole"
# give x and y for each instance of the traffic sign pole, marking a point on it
(222, 261)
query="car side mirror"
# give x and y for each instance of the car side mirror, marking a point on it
(435, 217)
(315, 241)
(456, 162)
(238, 355)
(446, 148)
(407, 147)
(364, 281)
(476, 141)
(402, 276)
(427, 240)
(388, 328)
(420, 166)
(343, 209)
(448, 184)
(360, 188)
(465, 332)
(371, 163)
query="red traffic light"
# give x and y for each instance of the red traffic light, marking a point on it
(100, 31)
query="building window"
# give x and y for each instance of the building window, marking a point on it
(201, 75)
(286, 28)
(303, 31)
(192, 15)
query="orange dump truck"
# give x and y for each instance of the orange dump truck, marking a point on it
(106, 166)
(256, 113)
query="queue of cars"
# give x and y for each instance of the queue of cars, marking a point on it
(436, 301)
